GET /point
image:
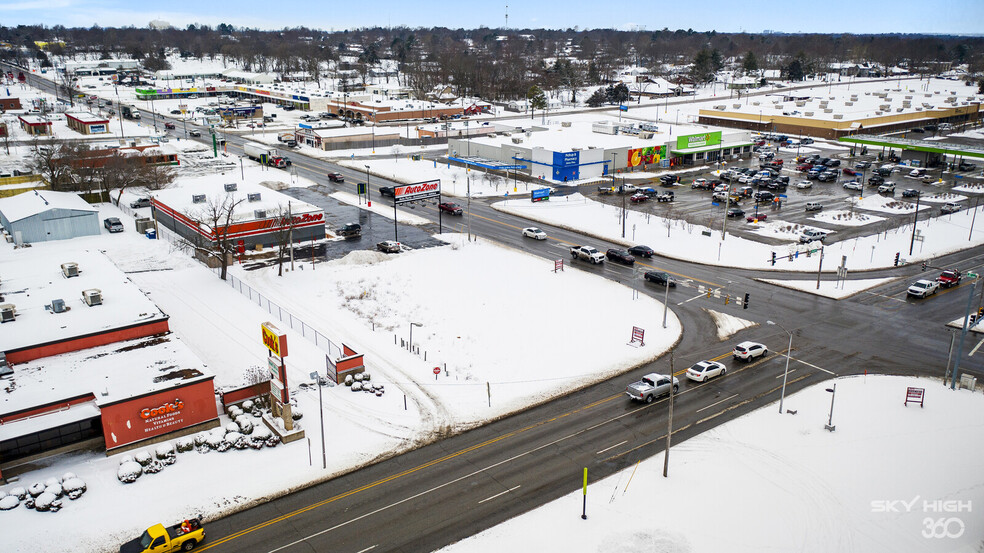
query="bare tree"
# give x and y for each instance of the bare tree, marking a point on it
(283, 230)
(214, 219)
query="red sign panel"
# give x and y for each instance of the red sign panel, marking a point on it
(638, 334)
(437, 370)
(914, 395)
(418, 191)
(155, 414)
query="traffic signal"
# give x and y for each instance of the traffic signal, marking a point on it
(744, 304)
(773, 259)
(924, 266)
(980, 312)
(896, 259)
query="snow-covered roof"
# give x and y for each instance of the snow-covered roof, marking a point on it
(581, 135)
(86, 117)
(213, 188)
(27, 204)
(32, 278)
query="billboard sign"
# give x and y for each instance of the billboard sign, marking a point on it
(418, 191)
(540, 194)
(699, 140)
(646, 156)
(274, 340)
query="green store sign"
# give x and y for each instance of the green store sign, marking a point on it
(698, 140)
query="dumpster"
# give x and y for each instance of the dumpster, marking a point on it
(151, 233)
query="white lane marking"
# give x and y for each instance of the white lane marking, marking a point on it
(498, 494)
(973, 351)
(612, 447)
(697, 297)
(791, 371)
(884, 296)
(814, 366)
(715, 403)
(369, 548)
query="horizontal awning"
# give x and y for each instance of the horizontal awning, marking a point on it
(713, 148)
(52, 419)
(933, 146)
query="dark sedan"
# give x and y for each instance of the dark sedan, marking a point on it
(620, 256)
(659, 277)
(642, 251)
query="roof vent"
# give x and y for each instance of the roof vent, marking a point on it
(57, 306)
(92, 296)
(7, 313)
(255, 197)
(259, 214)
(70, 269)
(231, 187)
(198, 199)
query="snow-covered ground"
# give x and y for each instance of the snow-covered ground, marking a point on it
(890, 478)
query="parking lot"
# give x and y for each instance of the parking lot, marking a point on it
(699, 206)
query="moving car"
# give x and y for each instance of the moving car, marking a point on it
(910, 193)
(964, 166)
(746, 351)
(923, 288)
(195, 133)
(387, 191)
(764, 196)
(336, 177)
(754, 218)
(389, 246)
(703, 370)
(350, 230)
(534, 233)
(651, 386)
(642, 251)
(736, 212)
(451, 208)
(804, 184)
(853, 185)
(659, 277)
(113, 224)
(667, 180)
(949, 278)
(621, 256)
(169, 125)
(814, 206)
(811, 234)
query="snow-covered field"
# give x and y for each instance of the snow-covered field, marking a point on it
(890, 478)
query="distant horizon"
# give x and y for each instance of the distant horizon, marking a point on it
(957, 18)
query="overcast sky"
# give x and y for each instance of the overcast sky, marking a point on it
(833, 16)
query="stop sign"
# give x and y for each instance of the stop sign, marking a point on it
(437, 370)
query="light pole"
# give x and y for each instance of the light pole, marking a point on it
(368, 201)
(321, 411)
(411, 334)
(830, 420)
(785, 374)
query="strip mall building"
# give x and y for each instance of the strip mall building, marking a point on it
(94, 364)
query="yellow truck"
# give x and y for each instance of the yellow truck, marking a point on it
(183, 536)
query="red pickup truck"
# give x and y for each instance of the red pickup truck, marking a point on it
(949, 278)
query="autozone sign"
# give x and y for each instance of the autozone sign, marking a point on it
(418, 191)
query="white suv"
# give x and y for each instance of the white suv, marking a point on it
(746, 351)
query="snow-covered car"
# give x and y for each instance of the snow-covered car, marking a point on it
(534, 233)
(704, 370)
(804, 184)
(723, 187)
(917, 173)
(113, 224)
(638, 197)
(746, 351)
(853, 185)
(923, 288)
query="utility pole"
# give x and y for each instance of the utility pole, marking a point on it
(669, 422)
(915, 220)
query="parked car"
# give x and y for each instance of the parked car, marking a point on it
(862, 165)
(833, 163)
(620, 256)
(336, 177)
(389, 246)
(642, 251)
(638, 197)
(810, 235)
(950, 207)
(534, 233)
(764, 197)
(350, 230)
(804, 184)
(195, 133)
(140, 202)
(174, 111)
(169, 125)
(736, 212)
(746, 191)
(746, 351)
(964, 166)
(700, 183)
(910, 193)
(667, 180)
(659, 277)
(827, 176)
(804, 167)
(876, 180)
(451, 208)
(929, 179)
(922, 288)
(814, 206)
(888, 187)
(701, 371)
(850, 172)
(113, 224)
(917, 173)
(853, 185)
(806, 140)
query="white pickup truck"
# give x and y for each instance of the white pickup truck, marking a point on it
(588, 253)
(651, 386)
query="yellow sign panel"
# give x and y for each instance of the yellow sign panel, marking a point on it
(274, 340)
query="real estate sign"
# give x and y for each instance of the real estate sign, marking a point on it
(698, 140)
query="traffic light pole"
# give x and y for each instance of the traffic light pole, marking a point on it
(963, 334)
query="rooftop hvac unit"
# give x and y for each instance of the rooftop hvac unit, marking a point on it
(645, 135)
(565, 123)
(92, 296)
(70, 270)
(198, 199)
(230, 187)
(254, 197)
(259, 214)
(7, 312)
(58, 306)
(517, 140)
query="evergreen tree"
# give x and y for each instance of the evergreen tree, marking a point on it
(750, 63)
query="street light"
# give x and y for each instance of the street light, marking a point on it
(368, 201)
(411, 334)
(321, 410)
(785, 373)
(830, 419)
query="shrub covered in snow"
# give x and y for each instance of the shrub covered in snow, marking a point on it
(186, 444)
(359, 377)
(18, 492)
(245, 423)
(143, 458)
(232, 437)
(232, 427)
(235, 411)
(296, 413)
(74, 487)
(248, 405)
(52, 482)
(68, 476)
(9, 502)
(272, 441)
(260, 432)
(129, 471)
(164, 451)
(154, 467)
(47, 502)
(357, 386)
(214, 440)
(36, 489)
(349, 380)
(54, 489)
